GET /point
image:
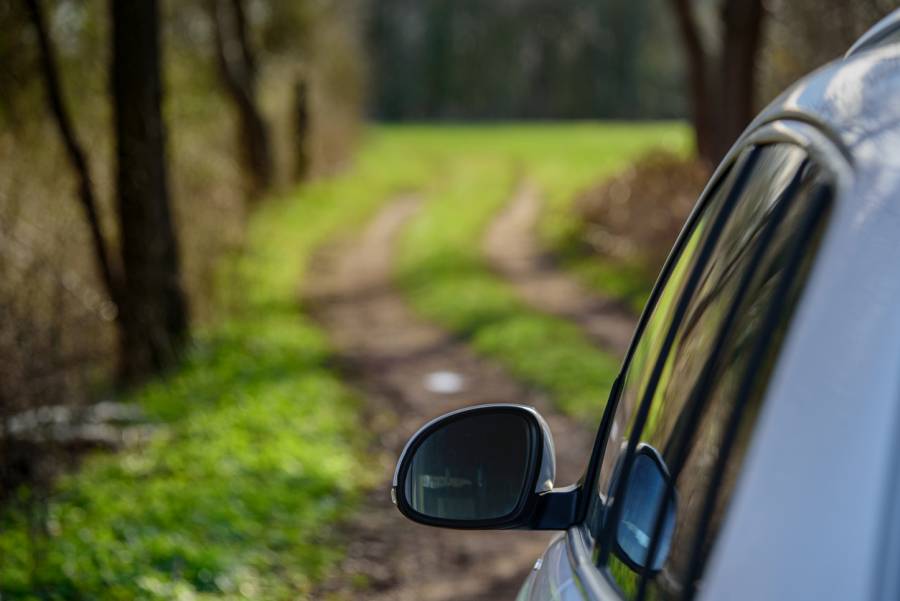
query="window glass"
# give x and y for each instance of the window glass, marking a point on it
(648, 346)
(698, 341)
(716, 290)
(775, 287)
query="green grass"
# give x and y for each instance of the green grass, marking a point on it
(259, 449)
(563, 160)
(442, 269)
(629, 282)
(564, 164)
(584, 159)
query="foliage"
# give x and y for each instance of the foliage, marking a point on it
(626, 225)
(257, 448)
(806, 34)
(551, 60)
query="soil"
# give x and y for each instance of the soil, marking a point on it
(513, 252)
(391, 355)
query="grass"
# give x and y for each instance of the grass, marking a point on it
(258, 451)
(445, 276)
(564, 160)
(442, 270)
(256, 448)
(630, 282)
(579, 162)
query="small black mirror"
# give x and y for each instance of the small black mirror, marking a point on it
(476, 468)
(647, 492)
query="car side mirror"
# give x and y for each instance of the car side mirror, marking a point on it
(648, 491)
(488, 466)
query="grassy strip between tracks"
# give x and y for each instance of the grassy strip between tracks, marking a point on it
(443, 272)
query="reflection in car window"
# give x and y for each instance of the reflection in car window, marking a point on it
(735, 400)
(668, 425)
(745, 264)
(647, 347)
(716, 290)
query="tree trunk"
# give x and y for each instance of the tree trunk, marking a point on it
(153, 308)
(74, 151)
(302, 161)
(742, 22)
(702, 110)
(722, 89)
(237, 69)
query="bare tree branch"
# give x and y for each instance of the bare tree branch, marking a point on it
(74, 151)
(237, 69)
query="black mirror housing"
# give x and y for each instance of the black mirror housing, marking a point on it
(483, 467)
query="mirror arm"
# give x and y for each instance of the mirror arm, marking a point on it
(556, 509)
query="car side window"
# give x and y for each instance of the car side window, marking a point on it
(694, 396)
(729, 408)
(647, 347)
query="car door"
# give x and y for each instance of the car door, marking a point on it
(694, 380)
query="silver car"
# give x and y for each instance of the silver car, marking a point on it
(750, 448)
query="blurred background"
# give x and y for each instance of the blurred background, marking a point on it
(183, 186)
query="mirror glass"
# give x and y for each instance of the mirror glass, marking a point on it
(646, 491)
(473, 468)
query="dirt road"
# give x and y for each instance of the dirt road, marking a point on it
(391, 355)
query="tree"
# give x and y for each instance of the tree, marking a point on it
(302, 158)
(802, 35)
(237, 70)
(722, 87)
(154, 311)
(74, 151)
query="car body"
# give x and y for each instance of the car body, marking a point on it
(761, 393)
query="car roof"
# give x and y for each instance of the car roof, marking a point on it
(886, 31)
(810, 514)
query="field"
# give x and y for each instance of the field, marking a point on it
(259, 447)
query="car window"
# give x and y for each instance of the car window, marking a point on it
(730, 409)
(733, 288)
(651, 337)
(716, 289)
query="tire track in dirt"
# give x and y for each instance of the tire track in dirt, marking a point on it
(513, 252)
(388, 352)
